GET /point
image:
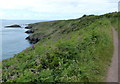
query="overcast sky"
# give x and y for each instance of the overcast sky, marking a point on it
(54, 9)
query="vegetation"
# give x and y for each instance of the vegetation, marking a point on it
(77, 50)
(114, 19)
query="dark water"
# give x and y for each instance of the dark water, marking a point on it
(13, 39)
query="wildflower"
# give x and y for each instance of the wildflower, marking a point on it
(69, 37)
(33, 46)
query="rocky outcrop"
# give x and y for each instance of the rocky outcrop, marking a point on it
(29, 31)
(34, 38)
(14, 26)
(28, 27)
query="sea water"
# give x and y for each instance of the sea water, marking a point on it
(12, 40)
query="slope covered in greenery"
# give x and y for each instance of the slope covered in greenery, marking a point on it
(77, 50)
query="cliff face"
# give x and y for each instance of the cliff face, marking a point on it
(46, 29)
(77, 50)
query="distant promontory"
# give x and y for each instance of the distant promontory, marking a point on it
(13, 26)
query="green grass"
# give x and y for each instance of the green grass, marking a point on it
(114, 19)
(78, 50)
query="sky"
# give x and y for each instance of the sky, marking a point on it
(54, 9)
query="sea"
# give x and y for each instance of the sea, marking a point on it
(12, 40)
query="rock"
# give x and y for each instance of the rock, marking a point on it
(32, 40)
(29, 31)
(14, 26)
(28, 27)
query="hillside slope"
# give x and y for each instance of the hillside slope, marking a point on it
(78, 50)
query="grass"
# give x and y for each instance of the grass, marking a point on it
(77, 50)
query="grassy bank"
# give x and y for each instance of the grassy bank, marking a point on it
(77, 50)
(114, 19)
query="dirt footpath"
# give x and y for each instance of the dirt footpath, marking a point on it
(113, 69)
